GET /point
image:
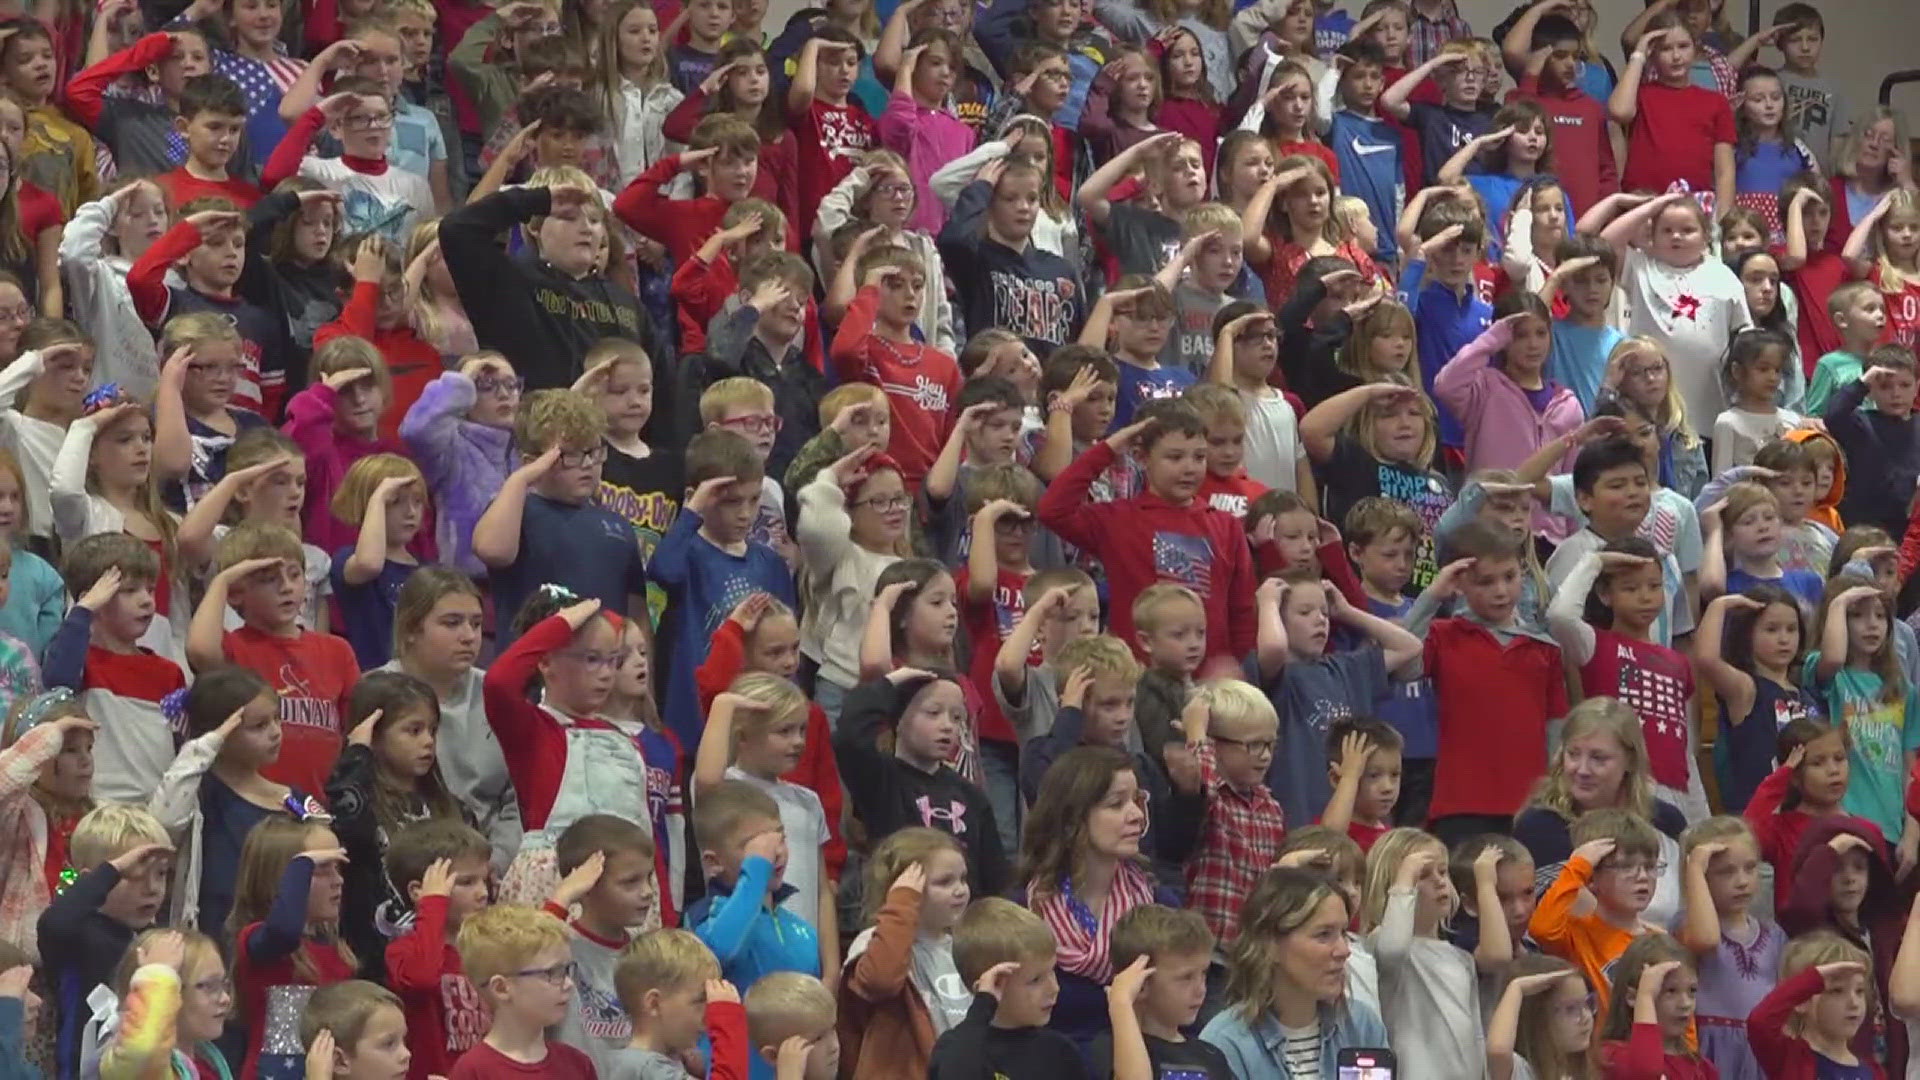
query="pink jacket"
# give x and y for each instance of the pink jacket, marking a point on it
(927, 139)
(23, 838)
(1503, 428)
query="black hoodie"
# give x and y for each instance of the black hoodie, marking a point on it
(888, 794)
(1882, 916)
(1031, 292)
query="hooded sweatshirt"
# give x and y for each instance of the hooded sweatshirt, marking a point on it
(1882, 917)
(1826, 509)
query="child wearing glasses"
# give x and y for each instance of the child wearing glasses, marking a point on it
(745, 406)
(1617, 862)
(460, 431)
(519, 960)
(385, 199)
(708, 561)
(545, 527)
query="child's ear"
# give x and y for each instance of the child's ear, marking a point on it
(413, 892)
(650, 1003)
(770, 1052)
(1140, 637)
(180, 125)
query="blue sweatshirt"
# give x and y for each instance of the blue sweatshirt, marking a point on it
(1367, 149)
(1444, 323)
(752, 937)
(703, 585)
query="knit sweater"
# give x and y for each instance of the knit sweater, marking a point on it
(839, 582)
(23, 838)
(465, 463)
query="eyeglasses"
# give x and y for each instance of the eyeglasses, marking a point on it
(1015, 525)
(369, 123)
(557, 975)
(1268, 334)
(213, 988)
(506, 385)
(1255, 747)
(1645, 371)
(885, 503)
(592, 658)
(894, 191)
(1638, 869)
(759, 425)
(575, 459)
(1577, 1010)
(23, 313)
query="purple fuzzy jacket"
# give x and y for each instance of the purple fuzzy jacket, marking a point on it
(464, 463)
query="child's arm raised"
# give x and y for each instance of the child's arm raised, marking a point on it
(1627, 228)
(1395, 101)
(1503, 1027)
(1713, 551)
(806, 71)
(496, 536)
(1399, 646)
(1735, 688)
(338, 57)
(1834, 642)
(1253, 218)
(1454, 172)
(1700, 923)
(1516, 49)
(1168, 276)
(1566, 620)
(1557, 278)
(1354, 751)
(177, 799)
(824, 526)
(194, 540)
(350, 792)
(369, 555)
(1767, 1024)
(876, 642)
(285, 927)
(983, 562)
(1321, 427)
(1553, 916)
(415, 958)
(945, 471)
(1092, 195)
(1495, 951)
(1010, 663)
(716, 743)
(1056, 450)
(206, 646)
(1393, 938)
(1064, 506)
(147, 277)
(1858, 251)
(1533, 472)
(1130, 1058)
(1795, 255)
(1271, 648)
(86, 95)
(672, 562)
(1646, 1054)
(1623, 105)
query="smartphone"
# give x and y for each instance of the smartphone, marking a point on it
(1366, 1064)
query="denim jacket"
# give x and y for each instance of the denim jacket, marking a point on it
(1259, 1049)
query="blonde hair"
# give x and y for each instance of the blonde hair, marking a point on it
(1148, 605)
(666, 960)
(1212, 217)
(737, 392)
(149, 499)
(344, 1009)
(10, 464)
(845, 396)
(995, 930)
(109, 831)
(1240, 706)
(1847, 163)
(1360, 428)
(1900, 203)
(1384, 859)
(1744, 497)
(566, 418)
(196, 329)
(1718, 829)
(1600, 716)
(363, 478)
(782, 1004)
(1282, 902)
(270, 846)
(782, 699)
(423, 309)
(906, 847)
(618, 350)
(1824, 946)
(1101, 654)
(345, 353)
(1673, 411)
(258, 540)
(1217, 404)
(1386, 317)
(612, 99)
(1529, 553)
(504, 938)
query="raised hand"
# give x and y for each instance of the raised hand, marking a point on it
(362, 733)
(103, 590)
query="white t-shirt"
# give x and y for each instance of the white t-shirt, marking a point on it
(391, 203)
(1693, 312)
(1274, 449)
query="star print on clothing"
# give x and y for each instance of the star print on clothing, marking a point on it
(1687, 306)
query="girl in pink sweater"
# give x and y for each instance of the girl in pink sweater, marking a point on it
(917, 125)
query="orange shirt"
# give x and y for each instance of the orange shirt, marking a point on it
(1589, 942)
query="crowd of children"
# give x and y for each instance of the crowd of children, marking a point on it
(588, 538)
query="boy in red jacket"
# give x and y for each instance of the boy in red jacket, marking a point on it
(441, 864)
(875, 345)
(1163, 533)
(724, 157)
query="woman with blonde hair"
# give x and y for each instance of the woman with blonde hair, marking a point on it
(1875, 158)
(1601, 764)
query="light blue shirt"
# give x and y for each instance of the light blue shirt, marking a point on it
(1579, 358)
(417, 140)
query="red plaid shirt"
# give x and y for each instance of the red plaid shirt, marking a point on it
(1425, 35)
(1239, 841)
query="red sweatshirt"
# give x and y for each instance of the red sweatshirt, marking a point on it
(1778, 830)
(445, 1014)
(182, 187)
(1146, 539)
(1784, 1056)
(412, 362)
(922, 384)
(681, 224)
(700, 289)
(1645, 1057)
(531, 736)
(778, 180)
(1582, 148)
(87, 93)
(817, 771)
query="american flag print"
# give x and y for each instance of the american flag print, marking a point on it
(1185, 559)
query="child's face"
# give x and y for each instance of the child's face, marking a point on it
(1675, 1003)
(135, 899)
(1250, 168)
(12, 503)
(1256, 349)
(276, 497)
(1761, 280)
(416, 40)
(64, 383)
(1386, 564)
(1589, 292)
(215, 264)
(680, 1016)
(382, 1050)
(836, 71)
(1795, 491)
(1776, 636)
(1109, 709)
(1733, 875)
(328, 884)
(1678, 237)
(929, 731)
(1015, 362)
(127, 616)
(1801, 46)
(1379, 787)
(1491, 588)
(575, 477)
(1077, 618)
(469, 893)
(30, 68)
(758, 424)
(211, 375)
(1185, 64)
(993, 442)
(1824, 770)
(256, 742)
(256, 22)
(709, 20)
(774, 646)
(1244, 753)
(1893, 395)
(380, 59)
(1838, 1013)
(775, 749)
(1757, 534)
(357, 406)
(1673, 55)
(1184, 179)
(933, 614)
(1452, 264)
(1178, 640)
(580, 677)
(1866, 626)
(1092, 417)
(544, 996)
(1619, 499)
(406, 511)
(626, 397)
(1027, 997)
(1016, 203)
(1863, 320)
(555, 147)
(1226, 447)
(1361, 86)
(1400, 425)
(947, 892)
(1309, 203)
(405, 745)
(1637, 595)
(70, 774)
(633, 677)
(1765, 102)
(1623, 884)
(625, 892)
(139, 221)
(206, 996)
(639, 36)
(1391, 34)
(1513, 882)
(1532, 341)
(1177, 988)
(1140, 335)
(1460, 82)
(1308, 621)
(1850, 880)
(1297, 533)
(1217, 266)
(313, 232)
(1900, 235)
(211, 137)
(1013, 538)
(1570, 1007)
(1176, 463)
(879, 514)
(367, 127)
(496, 392)
(123, 453)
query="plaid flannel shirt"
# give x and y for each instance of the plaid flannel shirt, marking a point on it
(1426, 35)
(1238, 842)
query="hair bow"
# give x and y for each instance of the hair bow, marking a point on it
(307, 809)
(173, 708)
(1704, 198)
(558, 593)
(103, 397)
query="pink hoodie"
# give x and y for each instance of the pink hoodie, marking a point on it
(1503, 428)
(927, 139)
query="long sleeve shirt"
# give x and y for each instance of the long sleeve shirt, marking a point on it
(922, 384)
(263, 379)
(1146, 539)
(926, 138)
(1879, 495)
(464, 463)
(96, 293)
(445, 1014)
(1589, 942)
(1784, 1056)
(411, 361)
(330, 452)
(977, 1050)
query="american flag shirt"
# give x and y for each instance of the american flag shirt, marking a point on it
(1239, 840)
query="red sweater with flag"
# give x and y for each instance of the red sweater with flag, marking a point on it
(1146, 539)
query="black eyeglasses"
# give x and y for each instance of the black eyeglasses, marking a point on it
(1256, 747)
